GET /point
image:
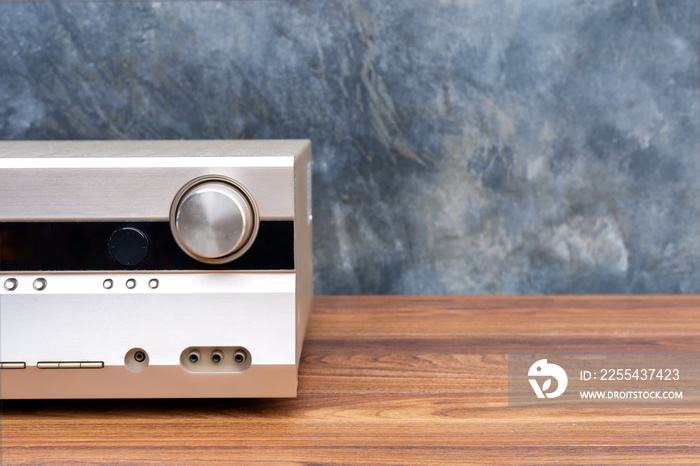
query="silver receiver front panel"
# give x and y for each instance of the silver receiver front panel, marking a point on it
(134, 331)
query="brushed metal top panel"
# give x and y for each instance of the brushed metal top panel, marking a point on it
(174, 148)
(62, 180)
(142, 189)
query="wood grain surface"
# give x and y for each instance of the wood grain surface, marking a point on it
(397, 380)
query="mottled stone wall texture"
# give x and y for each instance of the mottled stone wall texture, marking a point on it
(461, 146)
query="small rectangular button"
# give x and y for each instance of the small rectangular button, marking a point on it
(12, 365)
(92, 364)
(69, 365)
(47, 365)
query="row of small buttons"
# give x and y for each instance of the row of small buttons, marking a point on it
(39, 284)
(70, 365)
(130, 283)
(55, 365)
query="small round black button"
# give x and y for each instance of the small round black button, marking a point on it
(128, 246)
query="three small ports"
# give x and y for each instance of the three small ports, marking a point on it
(232, 359)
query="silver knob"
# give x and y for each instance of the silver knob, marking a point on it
(213, 220)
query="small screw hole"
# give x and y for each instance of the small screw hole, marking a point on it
(139, 356)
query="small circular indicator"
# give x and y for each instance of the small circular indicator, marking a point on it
(39, 284)
(131, 283)
(11, 284)
(153, 283)
(108, 284)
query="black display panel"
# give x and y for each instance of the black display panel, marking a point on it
(84, 246)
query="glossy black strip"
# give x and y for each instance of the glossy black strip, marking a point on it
(83, 246)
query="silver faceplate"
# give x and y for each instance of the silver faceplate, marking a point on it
(75, 317)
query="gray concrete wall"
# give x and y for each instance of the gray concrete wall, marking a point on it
(522, 146)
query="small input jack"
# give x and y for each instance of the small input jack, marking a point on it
(193, 357)
(136, 360)
(239, 356)
(217, 356)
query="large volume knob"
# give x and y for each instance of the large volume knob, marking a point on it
(214, 219)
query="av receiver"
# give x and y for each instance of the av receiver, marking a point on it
(153, 269)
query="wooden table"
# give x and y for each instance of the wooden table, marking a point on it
(398, 380)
